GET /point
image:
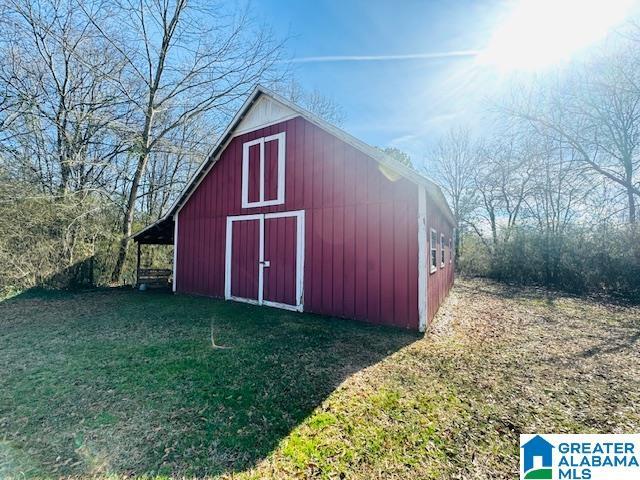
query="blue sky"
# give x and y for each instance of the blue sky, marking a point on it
(407, 103)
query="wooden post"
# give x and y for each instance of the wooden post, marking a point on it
(138, 265)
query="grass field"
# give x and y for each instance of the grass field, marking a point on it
(120, 384)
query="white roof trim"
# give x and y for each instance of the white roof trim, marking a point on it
(368, 150)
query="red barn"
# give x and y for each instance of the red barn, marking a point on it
(291, 212)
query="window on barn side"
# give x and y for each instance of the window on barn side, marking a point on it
(442, 250)
(433, 245)
(450, 251)
(263, 171)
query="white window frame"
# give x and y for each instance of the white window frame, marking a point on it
(433, 247)
(450, 250)
(279, 200)
(442, 253)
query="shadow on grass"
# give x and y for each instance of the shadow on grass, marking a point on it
(615, 343)
(493, 288)
(622, 329)
(127, 383)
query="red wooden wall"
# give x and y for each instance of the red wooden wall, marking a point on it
(439, 282)
(361, 239)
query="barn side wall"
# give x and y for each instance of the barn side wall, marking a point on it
(439, 282)
(361, 240)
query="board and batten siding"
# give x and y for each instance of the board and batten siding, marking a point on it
(439, 282)
(361, 240)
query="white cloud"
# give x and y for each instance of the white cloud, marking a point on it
(378, 58)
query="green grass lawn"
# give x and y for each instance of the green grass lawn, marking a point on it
(120, 383)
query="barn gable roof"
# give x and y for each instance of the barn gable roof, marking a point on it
(245, 121)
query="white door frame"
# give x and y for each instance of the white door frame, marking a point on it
(261, 217)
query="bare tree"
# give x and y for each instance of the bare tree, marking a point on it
(503, 181)
(184, 61)
(61, 115)
(594, 109)
(314, 101)
(560, 186)
(559, 189)
(454, 161)
(171, 167)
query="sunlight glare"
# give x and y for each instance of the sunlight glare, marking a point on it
(538, 33)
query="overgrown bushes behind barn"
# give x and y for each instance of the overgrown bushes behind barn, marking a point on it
(65, 241)
(581, 260)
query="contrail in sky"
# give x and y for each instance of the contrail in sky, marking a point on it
(378, 58)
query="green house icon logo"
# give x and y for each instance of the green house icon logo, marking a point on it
(537, 459)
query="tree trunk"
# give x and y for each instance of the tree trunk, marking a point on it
(128, 217)
(494, 230)
(632, 206)
(635, 233)
(143, 159)
(458, 244)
